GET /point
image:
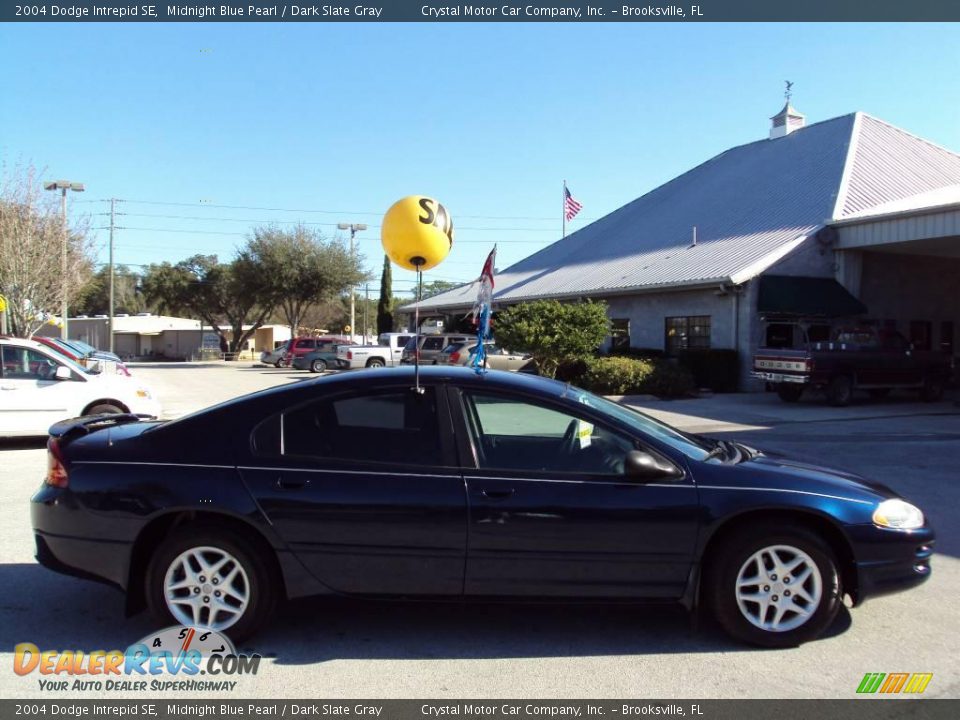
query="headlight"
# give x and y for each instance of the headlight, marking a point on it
(898, 514)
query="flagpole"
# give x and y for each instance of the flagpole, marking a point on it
(563, 209)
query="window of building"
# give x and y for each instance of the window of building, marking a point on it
(619, 333)
(687, 333)
(920, 332)
(391, 426)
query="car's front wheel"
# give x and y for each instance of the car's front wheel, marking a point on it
(375, 363)
(210, 577)
(775, 586)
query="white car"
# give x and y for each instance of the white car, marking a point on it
(39, 387)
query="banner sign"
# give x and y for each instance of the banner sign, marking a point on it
(433, 11)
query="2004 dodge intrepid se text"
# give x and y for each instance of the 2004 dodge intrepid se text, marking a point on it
(479, 486)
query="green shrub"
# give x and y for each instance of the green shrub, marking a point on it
(631, 376)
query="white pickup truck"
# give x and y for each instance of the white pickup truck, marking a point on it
(386, 353)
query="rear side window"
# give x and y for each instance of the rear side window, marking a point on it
(398, 426)
(433, 343)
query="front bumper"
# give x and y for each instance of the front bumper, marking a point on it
(889, 561)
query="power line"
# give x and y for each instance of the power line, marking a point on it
(240, 234)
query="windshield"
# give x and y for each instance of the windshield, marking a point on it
(687, 444)
(80, 345)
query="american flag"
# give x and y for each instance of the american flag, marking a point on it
(571, 206)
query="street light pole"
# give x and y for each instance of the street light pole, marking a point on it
(63, 186)
(354, 228)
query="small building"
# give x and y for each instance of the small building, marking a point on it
(148, 336)
(847, 220)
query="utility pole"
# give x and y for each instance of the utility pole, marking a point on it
(63, 186)
(354, 228)
(366, 304)
(113, 203)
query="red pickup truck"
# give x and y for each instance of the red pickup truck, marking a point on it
(854, 359)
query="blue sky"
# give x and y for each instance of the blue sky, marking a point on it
(341, 119)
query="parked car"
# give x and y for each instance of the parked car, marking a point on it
(320, 360)
(855, 358)
(497, 358)
(494, 485)
(429, 348)
(386, 353)
(85, 354)
(274, 357)
(39, 386)
(299, 346)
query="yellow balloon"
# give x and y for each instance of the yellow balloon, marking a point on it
(417, 232)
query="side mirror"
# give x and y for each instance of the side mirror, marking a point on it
(644, 466)
(62, 373)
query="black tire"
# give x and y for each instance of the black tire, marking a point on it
(840, 391)
(375, 363)
(879, 393)
(318, 366)
(789, 392)
(721, 585)
(932, 390)
(278, 364)
(262, 585)
(105, 408)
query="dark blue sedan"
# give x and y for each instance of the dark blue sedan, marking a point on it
(493, 486)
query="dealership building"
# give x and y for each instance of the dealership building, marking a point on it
(849, 220)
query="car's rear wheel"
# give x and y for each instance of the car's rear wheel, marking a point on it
(789, 393)
(775, 586)
(210, 577)
(375, 363)
(104, 409)
(318, 366)
(840, 391)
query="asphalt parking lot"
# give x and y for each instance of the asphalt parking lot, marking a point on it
(359, 649)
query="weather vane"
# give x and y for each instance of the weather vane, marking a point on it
(789, 91)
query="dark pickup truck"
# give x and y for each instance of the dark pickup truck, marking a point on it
(857, 358)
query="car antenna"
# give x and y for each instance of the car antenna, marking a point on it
(418, 261)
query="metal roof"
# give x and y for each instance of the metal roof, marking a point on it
(751, 205)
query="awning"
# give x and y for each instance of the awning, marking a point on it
(806, 297)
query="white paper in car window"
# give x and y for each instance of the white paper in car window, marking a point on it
(584, 431)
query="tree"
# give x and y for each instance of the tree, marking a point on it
(300, 268)
(385, 306)
(94, 296)
(434, 287)
(553, 332)
(31, 237)
(224, 296)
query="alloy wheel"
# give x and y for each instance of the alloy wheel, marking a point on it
(779, 588)
(206, 586)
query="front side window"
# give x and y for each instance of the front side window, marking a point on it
(687, 333)
(397, 426)
(512, 434)
(24, 364)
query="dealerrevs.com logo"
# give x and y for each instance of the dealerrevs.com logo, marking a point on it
(171, 660)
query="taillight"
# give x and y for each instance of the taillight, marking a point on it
(349, 355)
(454, 357)
(56, 470)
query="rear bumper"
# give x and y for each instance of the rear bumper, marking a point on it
(64, 545)
(890, 561)
(780, 377)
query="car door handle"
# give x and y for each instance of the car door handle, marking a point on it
(499, 494)
(284, 484)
